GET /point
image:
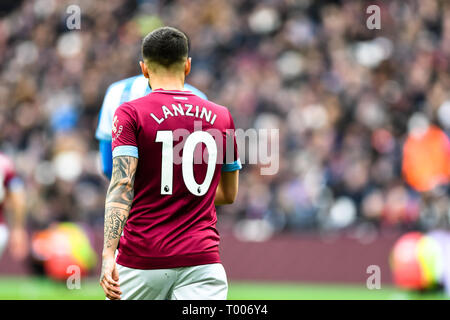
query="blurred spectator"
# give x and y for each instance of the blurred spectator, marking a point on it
(342, 96)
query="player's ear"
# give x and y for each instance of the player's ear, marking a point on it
(144, 69)
(187, 66)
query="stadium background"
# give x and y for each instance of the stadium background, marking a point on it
(344, 97)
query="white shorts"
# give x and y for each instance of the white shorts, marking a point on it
(4, 234)
(204, 282)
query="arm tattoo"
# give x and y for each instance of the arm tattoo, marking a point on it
(115, 220)
(122, 182)
(119, 199)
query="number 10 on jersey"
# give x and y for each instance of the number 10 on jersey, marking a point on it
(187, 161)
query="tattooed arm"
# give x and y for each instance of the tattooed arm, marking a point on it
(118, 204)
(118, 200)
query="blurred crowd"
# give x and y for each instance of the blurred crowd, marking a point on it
(345, 99)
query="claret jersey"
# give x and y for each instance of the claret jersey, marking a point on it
(183, 142)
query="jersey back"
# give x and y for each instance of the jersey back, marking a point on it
(183, 142)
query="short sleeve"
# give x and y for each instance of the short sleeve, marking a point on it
(231, 161)
(124, 132)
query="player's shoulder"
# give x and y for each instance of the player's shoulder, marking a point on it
(218, 108)
(221, 112)
(127, 107)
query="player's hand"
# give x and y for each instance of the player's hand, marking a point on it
(18, 243)
(109, 279)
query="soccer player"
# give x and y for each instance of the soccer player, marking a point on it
(12, 191)
(118, 93)
(174, 159)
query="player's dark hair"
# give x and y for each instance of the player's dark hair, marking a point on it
(165, 46)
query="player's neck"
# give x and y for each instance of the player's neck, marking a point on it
(167, 83)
